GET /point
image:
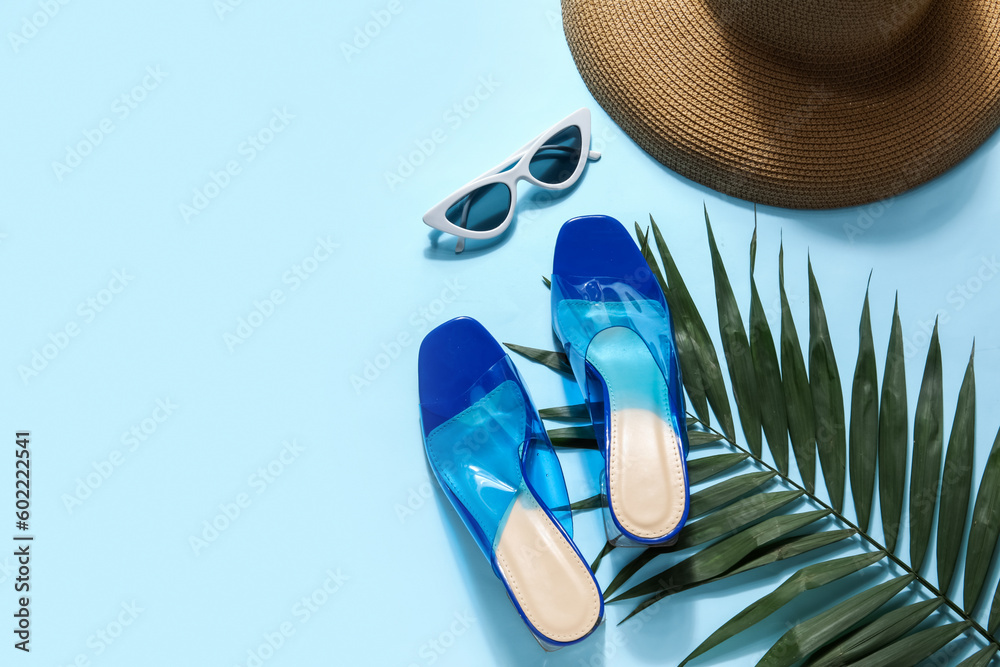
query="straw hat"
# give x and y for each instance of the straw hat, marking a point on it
(795, 103)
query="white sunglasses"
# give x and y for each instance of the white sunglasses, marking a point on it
(484, 208)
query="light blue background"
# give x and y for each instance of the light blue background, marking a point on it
(414, 590)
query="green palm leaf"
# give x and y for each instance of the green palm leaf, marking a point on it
(810, 635)
(736, 348)
(768, 373)
(984, 533)
(557, 361)
(827, 397)
(723, 493)
(705, 500)
(870, 638)
(727, 520)
(708, 466)
(699, 438)
(893, 425)
(568, 413)
(806, 579)
(579, 437)
(957, 484)
(795, 386)
(981, 658)
(701, 369)
(928, 437)
(915, 648)
(864, 421)
(608, 548)
(647, 254)
(772, 552)
(718, 557)
(590, 503)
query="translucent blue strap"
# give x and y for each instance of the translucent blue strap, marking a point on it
(478, 454)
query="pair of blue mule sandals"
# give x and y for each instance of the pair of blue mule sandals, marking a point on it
(489, 451)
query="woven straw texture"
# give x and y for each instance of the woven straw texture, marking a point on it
(795, 103)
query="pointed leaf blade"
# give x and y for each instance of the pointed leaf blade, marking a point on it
(984, 532)
(811, 634)
(928, 439)
(884, 630)
(893, 434)
(768, 373)
(578, 437)
(557, 361)
(957, 480)
(726, 491)
(691, 372)
(647, 254)
(994, 620)
(915, 648)
(720, 556)
(698, 438)
(694, 344)
(732, 518)
(567, 413)
(795, 387)
(726, 520)
(980, 659)
(828, 398)
(864, 422)
(591, 503)
(736, 347)
(771, 552)
(806, 579)
(608, 548)
(708, 466)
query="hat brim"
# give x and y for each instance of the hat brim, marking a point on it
(736, 116)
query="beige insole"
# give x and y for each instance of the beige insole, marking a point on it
(551, 583)
(645, 463)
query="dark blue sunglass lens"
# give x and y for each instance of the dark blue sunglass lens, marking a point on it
(558, 157)
(482, 209)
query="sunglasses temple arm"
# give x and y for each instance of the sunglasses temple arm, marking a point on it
(463, 223)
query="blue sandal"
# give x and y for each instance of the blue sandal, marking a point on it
(491, 455)
(612, 319)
